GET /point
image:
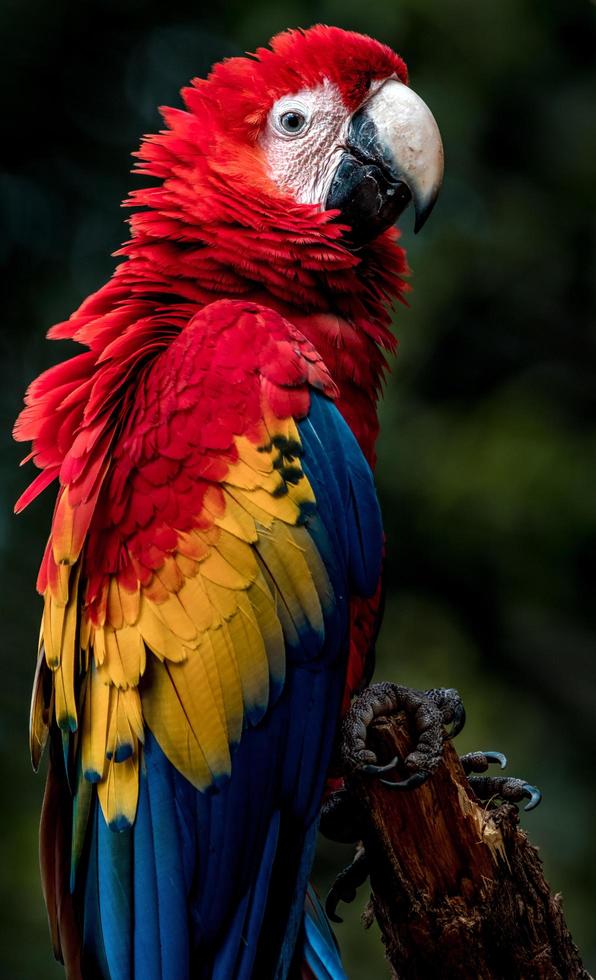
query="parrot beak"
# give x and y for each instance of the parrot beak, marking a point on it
(393, 155)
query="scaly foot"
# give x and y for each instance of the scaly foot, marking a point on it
(430, 712)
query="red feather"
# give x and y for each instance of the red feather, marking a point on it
(232, 301)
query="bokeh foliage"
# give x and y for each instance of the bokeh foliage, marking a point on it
(488, 454)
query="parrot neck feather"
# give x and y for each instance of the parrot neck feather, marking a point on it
(215, 227)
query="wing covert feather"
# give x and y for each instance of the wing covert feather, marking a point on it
(181, 567)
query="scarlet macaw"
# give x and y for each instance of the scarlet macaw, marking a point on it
(211, 582)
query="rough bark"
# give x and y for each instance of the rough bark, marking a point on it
(457, 888)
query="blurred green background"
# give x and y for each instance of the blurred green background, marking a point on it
(488, 454)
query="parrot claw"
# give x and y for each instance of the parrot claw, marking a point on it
(416, 779)
(346, 884)
(480, 761)
(451, 706)
(534, 794)
(372, 770)
(429, 711)
(506, 788)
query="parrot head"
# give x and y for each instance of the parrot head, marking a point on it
(354, 136)
(321, 125)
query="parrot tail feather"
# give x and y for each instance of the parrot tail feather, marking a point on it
(320, 952)
(54, 855)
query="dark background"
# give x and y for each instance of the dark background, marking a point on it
(488, 454)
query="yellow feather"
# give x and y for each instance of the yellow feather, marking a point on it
(166, 717)
(275, 426)
(284, 508)
(292, 431)
(296, 590)
(260, 459)
(125, 656)
(40, 713)
(316, 567)
(288, 547)
(216, 649)
(246, 502)
(192, 545)
(99, 645)
(196, 602)
(219, 571)
(61, 592)
(84, 631)
(131, 701)
(174, 616)
(156, 590)
(170, 575)
(263, 605)
(157, 635)
(224, 601)
(245, 642)
(207, 654)
(191, 680)
(112, 668)
(238, 554)
(188, 566)
(95, 727)
(66, 706)
(63, 530)
(130, 602)
(243, 476)
(115, 614)
(119, 792)
(121, 740)
(301, 493)
(53, 624)
(237, 521)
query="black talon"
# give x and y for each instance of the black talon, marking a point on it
(451, 706)
(331, 903)
(412, 782)
(345, 885)
(459, 720)
(506, 788)
(372, 770)
(427, 712)
(534, 794)
(480, 761)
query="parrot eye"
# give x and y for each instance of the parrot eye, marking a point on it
(292, 122)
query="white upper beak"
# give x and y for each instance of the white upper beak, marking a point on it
(409, 135)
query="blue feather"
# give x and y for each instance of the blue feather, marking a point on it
(213, 884)
(237, 954)
(115, 897)
(147, 945)
(343, 481)
(93, 944)
(320, 948)
(169, 868)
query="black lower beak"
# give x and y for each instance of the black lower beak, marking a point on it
(369, 198)
(393, 155)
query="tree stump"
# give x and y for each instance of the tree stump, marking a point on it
(457, 888)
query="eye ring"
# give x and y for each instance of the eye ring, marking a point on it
(292, 122)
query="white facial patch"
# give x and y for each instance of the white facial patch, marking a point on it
(304, 140)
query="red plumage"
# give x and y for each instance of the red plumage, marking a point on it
(215, 225)
(232, 303)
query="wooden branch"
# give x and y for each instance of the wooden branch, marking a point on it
(457, 889)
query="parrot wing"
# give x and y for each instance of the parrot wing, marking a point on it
(214, 517)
